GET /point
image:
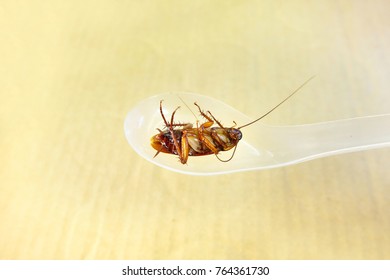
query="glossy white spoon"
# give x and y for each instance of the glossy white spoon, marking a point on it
(261, 147)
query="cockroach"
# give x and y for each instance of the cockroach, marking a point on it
(184, 140)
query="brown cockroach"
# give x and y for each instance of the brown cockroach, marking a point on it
(184, 140)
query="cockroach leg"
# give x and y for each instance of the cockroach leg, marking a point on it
(184, 125)
(162, 114)
(210, 121)
(217, 139)
(173, 115)
(206, 141)
(202, 113)
(184, 148)
(220, 125)
(175, 142)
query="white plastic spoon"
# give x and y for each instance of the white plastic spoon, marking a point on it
(261, 147)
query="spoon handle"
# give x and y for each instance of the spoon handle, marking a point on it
(335, 137)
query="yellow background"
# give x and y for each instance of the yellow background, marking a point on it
(72, 188)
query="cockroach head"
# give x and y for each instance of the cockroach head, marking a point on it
(235, 133)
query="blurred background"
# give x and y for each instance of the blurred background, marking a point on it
(72, 188)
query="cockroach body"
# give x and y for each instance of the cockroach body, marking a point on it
(189, 141)
(185, 140)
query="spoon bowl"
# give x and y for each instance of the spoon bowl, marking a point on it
(262, 146)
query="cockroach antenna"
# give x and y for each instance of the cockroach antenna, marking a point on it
(284, 100)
